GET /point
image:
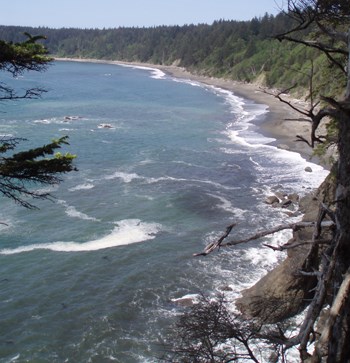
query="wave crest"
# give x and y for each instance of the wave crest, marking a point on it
(126, 232)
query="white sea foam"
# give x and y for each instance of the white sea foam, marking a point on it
(193, 297)
(292, 163)
(185, 163)
(188, 81)
(242, 276)
(227, 206)
(236, 139)
(43, 121)
(264, 259)
(126, 177)
(156, 73)
(236, 103)
(129, 177)
(254, 162)
(84, 186)
(14, 359)
(58, 120)
(74, 213)
(243, 133)
(126, 232)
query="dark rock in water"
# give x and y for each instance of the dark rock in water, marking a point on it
(272, 200)
(226, 288)
(286, 203)
(308, 169)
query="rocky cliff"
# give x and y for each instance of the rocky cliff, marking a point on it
(284, 291)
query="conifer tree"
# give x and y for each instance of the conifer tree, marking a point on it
(21, 172)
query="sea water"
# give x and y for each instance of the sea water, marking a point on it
(164, 165)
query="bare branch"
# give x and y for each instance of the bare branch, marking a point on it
(294, 226)
(212, 246)
(8, 93)
(295, 245)
(335, 311)
(317, 303)
(336, 35)
(314, 117)
(313, 13)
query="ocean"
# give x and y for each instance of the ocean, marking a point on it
(164, 165)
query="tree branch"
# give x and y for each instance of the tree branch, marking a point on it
(298, 244)
(219, 243)
(212, 246)
(314, 117)
(335, 311)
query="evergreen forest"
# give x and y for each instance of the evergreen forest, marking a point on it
(246, 51)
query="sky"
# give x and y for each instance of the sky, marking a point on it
(138, 13)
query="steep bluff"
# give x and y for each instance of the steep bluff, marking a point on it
(284, 292)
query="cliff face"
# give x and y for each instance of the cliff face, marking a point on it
(284, 292)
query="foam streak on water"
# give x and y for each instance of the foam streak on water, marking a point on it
(126, 232)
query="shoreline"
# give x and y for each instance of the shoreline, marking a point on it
(277, 123)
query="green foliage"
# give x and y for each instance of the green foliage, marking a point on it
(34, 166)
(23, 56)
(241, 50)
(40, 166)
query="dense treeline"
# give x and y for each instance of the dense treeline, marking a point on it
(241, 50)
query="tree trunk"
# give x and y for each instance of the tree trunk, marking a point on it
(338, 349)
(343, 177)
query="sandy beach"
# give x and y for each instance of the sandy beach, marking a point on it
(280, 122)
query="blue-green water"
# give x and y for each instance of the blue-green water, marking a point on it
(93, 276)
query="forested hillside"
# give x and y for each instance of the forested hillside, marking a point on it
(240, 50)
